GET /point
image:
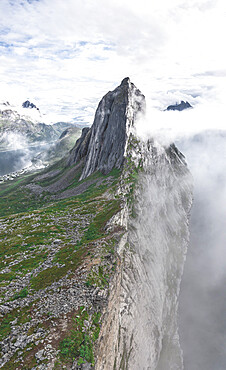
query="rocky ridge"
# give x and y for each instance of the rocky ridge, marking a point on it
(28, 104)
(183, 105)
(101, 254)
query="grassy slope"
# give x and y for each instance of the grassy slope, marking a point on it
(42, 241)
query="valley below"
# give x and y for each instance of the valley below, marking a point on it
(16, 160)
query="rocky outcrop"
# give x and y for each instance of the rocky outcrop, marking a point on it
(105, 144)
(183, 105)
(28, 104)
(80, 149)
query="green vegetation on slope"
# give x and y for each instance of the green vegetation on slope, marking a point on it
(46, 241)
(79, 343)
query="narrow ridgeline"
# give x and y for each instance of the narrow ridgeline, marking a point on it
(92, 250)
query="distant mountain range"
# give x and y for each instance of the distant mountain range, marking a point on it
(27, 122)
(26, 140)
(183, 105)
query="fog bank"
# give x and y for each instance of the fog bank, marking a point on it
(199, 134)
(202, 324)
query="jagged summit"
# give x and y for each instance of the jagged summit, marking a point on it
(28, 104)
(103, 146)
(125, 81)
(183, 105)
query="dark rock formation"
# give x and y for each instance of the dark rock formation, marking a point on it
(28, 104)
(183, 105)
(80, 149)
(64, 133)
(105, 143)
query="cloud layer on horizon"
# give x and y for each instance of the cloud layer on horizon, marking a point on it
(66, 55)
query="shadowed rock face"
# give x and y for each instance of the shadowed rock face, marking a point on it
(28, 104)
(139, 327)
(105, 143)
(79, 151)
(180, 106)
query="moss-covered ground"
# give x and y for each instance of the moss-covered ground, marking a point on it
(42, 241)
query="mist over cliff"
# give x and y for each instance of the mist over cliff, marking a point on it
(199, 133)
(144, 298)
(202, 297)
(101, 254)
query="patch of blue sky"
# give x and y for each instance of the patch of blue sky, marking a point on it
(97, 57)
(71, 51)
(24, 39)
(104, 42)
(4, 31)
(6, 36)
(80, 120)
(82, 43)
(108, 48)
(107, 45)
(83, 108)
(16, 3)
(5, 44)
(67, 53)
(65, 109)
(77, 48)
(31, 1)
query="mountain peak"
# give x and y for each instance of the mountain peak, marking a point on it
(125, 81)
(183, 105)
(104, 145)
(28, 104)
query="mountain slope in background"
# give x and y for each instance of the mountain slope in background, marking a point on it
(27, 124)
(60, 147)
(26, 143)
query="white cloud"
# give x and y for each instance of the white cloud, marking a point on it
(70, 53)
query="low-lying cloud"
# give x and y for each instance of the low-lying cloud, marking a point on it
(201, 136)
(16, 153)
(202, 300)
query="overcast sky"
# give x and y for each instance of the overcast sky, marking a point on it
(66, 54)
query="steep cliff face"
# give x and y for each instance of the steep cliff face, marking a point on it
(104, 145)
(108, 246)
(140, 327)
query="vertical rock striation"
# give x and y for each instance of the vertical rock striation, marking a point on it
(108, 137)
(139, 328)
(118, 257)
